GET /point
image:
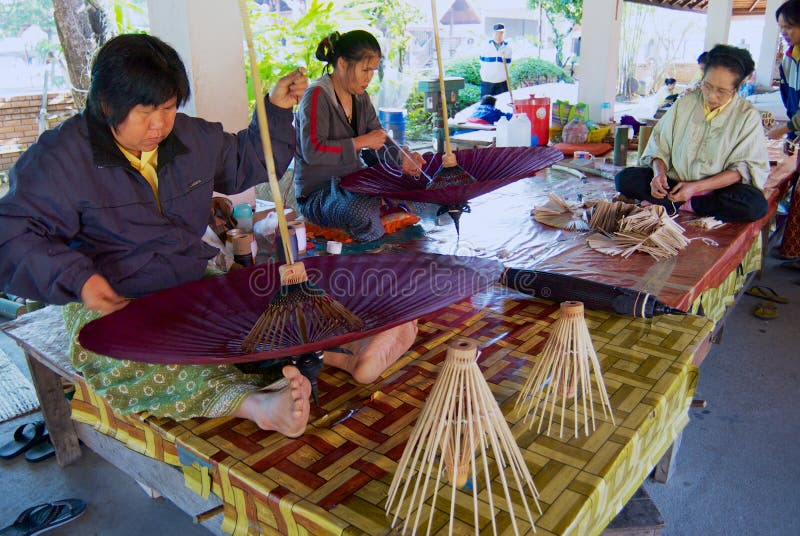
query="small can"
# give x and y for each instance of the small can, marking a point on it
(230, 236)
(300, 231)
(333, 247)
(292, 243)
(240, 246)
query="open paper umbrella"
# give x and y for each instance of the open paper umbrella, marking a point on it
(493, 167)
(205, 321)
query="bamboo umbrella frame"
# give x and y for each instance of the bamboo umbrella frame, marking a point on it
(565, 371)
(460, 422)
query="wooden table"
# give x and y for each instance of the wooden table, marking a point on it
(334, 478)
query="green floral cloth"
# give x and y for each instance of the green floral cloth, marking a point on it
(176, 391)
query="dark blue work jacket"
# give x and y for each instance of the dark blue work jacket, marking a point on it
(77, 207)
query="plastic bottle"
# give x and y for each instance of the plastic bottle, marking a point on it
(519, 131)
(244, 217)
(605, 113)
(502, 132)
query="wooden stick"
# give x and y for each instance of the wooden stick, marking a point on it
(266, 142)
(442, 91)
(508, 80)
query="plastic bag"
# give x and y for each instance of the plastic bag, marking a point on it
(576, 131)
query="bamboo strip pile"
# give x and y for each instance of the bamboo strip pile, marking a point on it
(458, 426)
(648, 230)
(556, 212)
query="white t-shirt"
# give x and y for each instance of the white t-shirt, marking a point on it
(492, 57)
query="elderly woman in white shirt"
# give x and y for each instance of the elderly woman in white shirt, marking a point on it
(708, 153)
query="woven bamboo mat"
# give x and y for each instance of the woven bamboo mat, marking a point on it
(17, 395)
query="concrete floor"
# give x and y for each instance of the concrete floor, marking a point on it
(736, 474)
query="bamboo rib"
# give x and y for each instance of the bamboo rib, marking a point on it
(460, 422)
(442, 91)
(564, 372)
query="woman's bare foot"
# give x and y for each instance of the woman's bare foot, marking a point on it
(285, 411)
(373, 355)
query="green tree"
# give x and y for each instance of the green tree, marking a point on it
(563, 16)
(392, 17)
(19, 14)
(284, 43)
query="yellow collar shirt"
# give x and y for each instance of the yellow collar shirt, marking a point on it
(146, 165)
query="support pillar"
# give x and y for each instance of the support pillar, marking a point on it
(208, 36)
(718, 22)
(599, 54)
(765, 65)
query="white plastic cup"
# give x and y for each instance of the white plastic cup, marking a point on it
(333, 247)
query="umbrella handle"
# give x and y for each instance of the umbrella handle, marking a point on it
(442, 92)
(508, 81)
(266, 142)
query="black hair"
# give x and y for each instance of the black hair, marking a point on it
(133, 69)
(353, 46)
(702, 58)
(736, 60)
(488, 99)
(790, 11)
(669, 81)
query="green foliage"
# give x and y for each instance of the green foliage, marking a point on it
(531, 71)
(562, 15)
(130, 16)
(17, 15)
(391, 17)
(419, 123)
(469, 69)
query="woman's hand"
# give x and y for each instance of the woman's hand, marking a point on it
(412, 163)
(682, 192)
(374, 139)
(777, 132)
(97, 295)
(659, 187)
(289, 90)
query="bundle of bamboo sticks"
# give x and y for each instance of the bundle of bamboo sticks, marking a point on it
(556, 212)
(645, 229)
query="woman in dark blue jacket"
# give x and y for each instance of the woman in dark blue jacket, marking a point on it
(113, 204)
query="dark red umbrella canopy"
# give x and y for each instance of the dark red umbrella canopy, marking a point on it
(492, 168)
(206, 321)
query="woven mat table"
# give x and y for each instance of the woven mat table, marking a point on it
(334, 479)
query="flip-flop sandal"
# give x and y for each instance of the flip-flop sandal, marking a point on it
(41, 451)
(766, 311)
(766, 293)
(43, 517)
(25, 436)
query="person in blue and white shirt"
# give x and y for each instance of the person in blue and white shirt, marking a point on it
(494, 53)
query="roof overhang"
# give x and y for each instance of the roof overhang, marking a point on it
(740, 7)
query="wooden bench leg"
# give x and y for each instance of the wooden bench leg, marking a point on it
(56, 412)
(666, 465)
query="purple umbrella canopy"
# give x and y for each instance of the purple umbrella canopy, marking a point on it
(492, 168)
(206, 321)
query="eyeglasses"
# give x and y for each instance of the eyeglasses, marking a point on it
(708, 88)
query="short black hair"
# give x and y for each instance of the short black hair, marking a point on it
(736, 60)
(790, 11)
(133, 69)
(703, 57)
(488, 99)
(669, 81)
